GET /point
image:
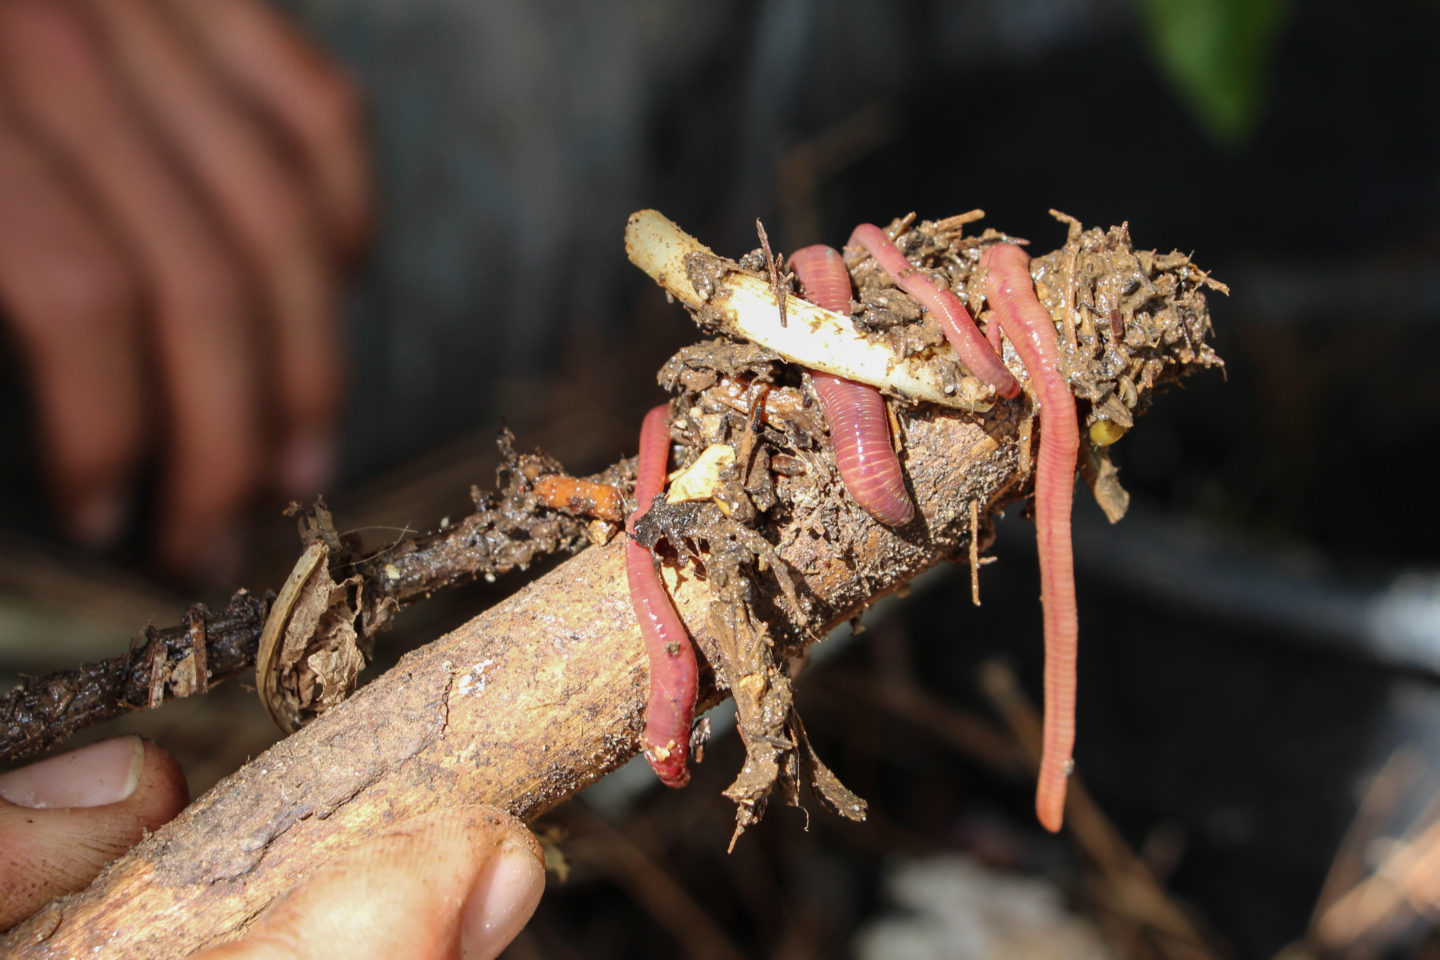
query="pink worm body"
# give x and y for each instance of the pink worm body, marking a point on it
(674, 676)
(1027, 323)
(979, 356)
(855, 412)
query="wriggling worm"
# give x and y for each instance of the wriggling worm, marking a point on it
(674, 676)
(855, 413)
(1027, 323)
(980, 356)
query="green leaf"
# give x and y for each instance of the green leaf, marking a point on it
(1216, 53)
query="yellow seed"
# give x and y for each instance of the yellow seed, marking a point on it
(1105, 432)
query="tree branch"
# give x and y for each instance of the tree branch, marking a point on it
(544, 694)
(520, 708)
(504, 533)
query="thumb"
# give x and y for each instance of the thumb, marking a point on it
(454, 882)
(63, 819)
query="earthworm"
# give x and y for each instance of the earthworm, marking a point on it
(855, 413)
(978, 355)
(578, 497)
(1027, 323)
(674, 676)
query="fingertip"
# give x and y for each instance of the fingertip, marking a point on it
(128, 778)
(466, 876)
(94, 776)
(163, 790)
(211, 481)
(503, 899)
(97, 519)
(306, 463)
(91, 447)
(63, 819)
(206, 554)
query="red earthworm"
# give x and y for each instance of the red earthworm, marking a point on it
(855, 412)
(978, 355)
(674, 676)
(1028, 324)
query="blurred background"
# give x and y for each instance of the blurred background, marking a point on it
(1259, 726)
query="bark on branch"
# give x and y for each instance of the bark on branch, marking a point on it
(521, 708)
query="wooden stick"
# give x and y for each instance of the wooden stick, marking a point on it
(521, 708)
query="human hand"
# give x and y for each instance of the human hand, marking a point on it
(63, 819)
(464, 879)
(179, 183)
(458, 882)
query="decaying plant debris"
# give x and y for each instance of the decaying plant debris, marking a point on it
(1152, 318)
(542, 695)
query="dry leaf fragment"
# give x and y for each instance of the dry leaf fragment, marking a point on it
(310, 655)
(700, 480)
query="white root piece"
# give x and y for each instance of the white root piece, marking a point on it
(812, 337)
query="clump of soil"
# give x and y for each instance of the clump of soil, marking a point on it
(1128, 320)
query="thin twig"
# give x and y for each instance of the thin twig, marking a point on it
(505, 533)
(772, 263)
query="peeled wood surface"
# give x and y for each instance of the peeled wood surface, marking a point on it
(521, 708)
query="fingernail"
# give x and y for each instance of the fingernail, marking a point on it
(93, 776)
(504, 897)
(307, 462)
(98, 519)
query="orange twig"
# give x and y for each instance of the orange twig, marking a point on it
(585, 498)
